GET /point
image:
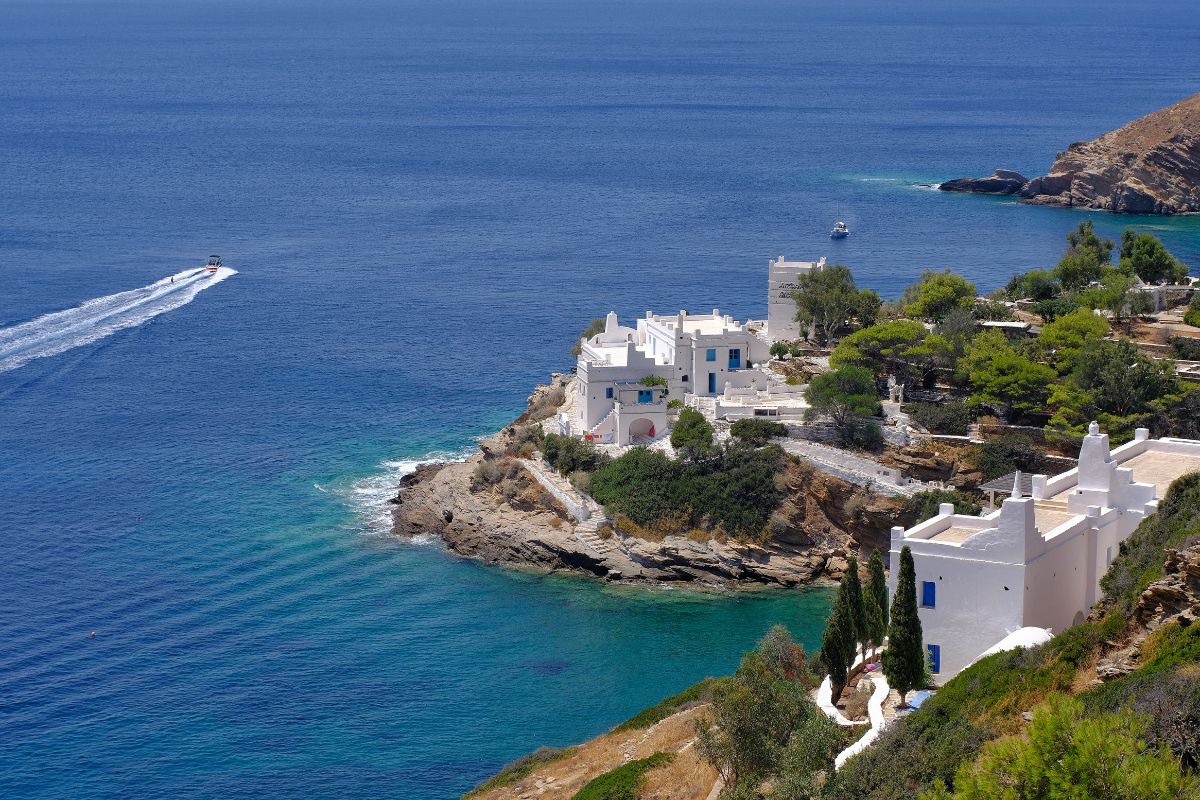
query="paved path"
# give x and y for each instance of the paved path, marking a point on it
(850, 467)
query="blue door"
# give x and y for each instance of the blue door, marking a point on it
(735, 358)
(935, 658)
(712, 383)
(928, 594)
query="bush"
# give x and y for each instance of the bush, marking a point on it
(757, 432)
(924, 505)
(673, 405)
(998, 457)
(569, 455)
(624, 782)
(1185, 349)
(1192, 315)
(735, 490)
(780, 349)
(953, 417)
(692, 433)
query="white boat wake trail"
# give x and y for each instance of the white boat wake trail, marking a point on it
(93, 320)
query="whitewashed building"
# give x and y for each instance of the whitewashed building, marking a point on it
(1036, 561)
(696, 354)
(782, 282)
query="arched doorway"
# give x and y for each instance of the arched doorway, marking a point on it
(641, 430)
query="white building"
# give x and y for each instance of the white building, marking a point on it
(782, 282)
(696, 354)
(1037, 561)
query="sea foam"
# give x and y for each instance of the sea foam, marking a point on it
(60, 331)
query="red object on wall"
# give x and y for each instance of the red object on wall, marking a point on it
(651, 433)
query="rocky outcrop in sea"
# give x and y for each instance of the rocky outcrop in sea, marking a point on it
(1149, 166)
(512, 520)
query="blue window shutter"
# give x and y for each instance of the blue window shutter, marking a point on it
(929, 594)
(935, 657)
(608, 393)
(711, 355)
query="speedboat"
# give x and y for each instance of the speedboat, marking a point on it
(840, 231)
(214, 264)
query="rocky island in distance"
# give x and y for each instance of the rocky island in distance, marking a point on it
(1148, 166)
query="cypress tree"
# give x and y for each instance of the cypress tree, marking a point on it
(874, 617)
(904, 659)
(877, 589)
(854, 605)
(833, 651)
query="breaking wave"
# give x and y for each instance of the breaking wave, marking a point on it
(368, 497)
(58, 332)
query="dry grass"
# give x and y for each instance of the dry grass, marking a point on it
(686, 778)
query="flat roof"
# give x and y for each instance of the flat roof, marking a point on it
(1161, 469)
(956, 534)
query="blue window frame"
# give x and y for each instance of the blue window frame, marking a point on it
(928, 594)
(645, 395)
(710, 354)
(712, 383)
(608, 393)
(935, 657)
(735, 358)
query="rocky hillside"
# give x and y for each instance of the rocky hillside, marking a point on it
(1139, 654)
(492, 508)
(1149, 166)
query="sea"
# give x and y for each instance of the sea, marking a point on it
(419, 206)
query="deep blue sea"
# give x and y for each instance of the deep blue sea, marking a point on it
(425, 203)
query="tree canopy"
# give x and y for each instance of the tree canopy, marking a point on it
(1065, 337)
(1086, 258)
(1003, 379)
(828, 300)
(936, 294)
(901, 347)
(847, 396)
(1142, 254)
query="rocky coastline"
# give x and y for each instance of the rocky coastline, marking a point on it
(518, 523)
(1149, 166)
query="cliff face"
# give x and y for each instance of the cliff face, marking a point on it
(1149, 166)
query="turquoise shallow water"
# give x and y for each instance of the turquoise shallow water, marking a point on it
(425, 205)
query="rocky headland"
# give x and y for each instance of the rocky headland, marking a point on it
(496, 507)
(1149, 166)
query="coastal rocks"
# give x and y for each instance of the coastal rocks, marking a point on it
(1149, 166)
(1002, 181)
(491, 507)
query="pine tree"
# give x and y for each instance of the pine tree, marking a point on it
(854, 604)
(877, 589)
(904, 660)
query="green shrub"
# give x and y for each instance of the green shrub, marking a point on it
(757, 431)
(924, 505)
(624, 782)
(568, 454)
(953, 417)
(734, 489)
(1185, 349)
(692, 433)
(997, 457)
(675, 404)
